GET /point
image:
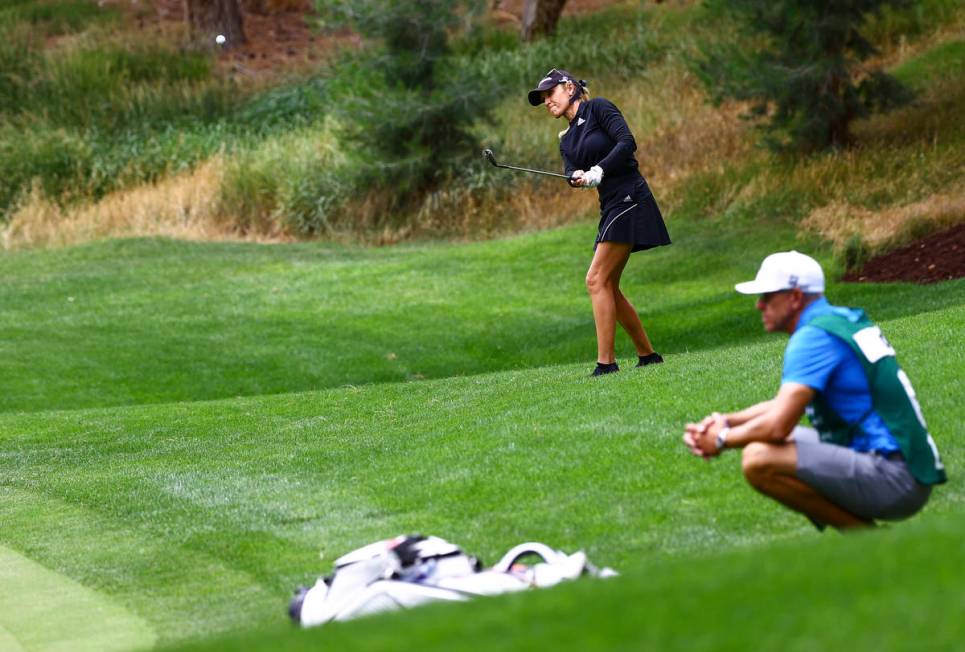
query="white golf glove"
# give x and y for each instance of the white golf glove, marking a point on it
(593, 177)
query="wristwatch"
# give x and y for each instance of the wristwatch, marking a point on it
(722, 438)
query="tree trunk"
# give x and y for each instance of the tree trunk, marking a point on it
(540, 18)
(209, 18)
(840, 114)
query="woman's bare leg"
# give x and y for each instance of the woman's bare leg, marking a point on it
(609, 257)
(628, 318)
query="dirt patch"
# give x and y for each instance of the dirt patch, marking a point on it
(282, 34)
(939, 257)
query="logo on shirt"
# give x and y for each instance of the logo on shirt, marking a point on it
(628, 198)
(579, 121)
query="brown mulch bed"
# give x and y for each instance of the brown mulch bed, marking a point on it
(939, 257)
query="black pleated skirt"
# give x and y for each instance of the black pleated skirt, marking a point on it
(632, 216)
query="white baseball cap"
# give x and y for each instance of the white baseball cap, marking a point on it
(786, 270)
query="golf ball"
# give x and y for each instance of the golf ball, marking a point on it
(219, 39)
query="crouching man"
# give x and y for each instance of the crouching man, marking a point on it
(869, 455)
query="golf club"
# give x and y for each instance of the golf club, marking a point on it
(488, 153)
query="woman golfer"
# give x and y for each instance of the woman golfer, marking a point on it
(597, 151)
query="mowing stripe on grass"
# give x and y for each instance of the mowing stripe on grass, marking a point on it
(157, 574)
(7, 642)
(43, 610)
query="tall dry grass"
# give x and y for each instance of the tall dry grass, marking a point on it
(186, 206)
(846, 225)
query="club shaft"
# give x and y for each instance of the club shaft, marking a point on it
(549, 174)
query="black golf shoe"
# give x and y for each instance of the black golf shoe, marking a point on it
(603, 369)
(652, 358)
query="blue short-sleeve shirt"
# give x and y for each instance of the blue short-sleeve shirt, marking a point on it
(828, 365)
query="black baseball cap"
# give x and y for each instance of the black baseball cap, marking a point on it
(549, 80)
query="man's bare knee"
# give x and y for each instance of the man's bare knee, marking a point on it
(757, 461)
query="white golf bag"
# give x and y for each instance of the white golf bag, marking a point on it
(408, 571)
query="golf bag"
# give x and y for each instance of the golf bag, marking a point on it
(408, 571)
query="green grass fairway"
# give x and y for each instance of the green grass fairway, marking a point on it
(131, 322)
(146, 321)
(200, 517)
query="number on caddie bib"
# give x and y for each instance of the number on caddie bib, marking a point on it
(906, 383)
(873, 344)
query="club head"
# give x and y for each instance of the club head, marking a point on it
(488, 154)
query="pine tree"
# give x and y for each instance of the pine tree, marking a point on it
(800, 62)
(404, 102)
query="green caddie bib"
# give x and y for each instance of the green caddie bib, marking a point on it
(892, 397)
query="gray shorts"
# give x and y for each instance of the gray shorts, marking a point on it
(865, 484)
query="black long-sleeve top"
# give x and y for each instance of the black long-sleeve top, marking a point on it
(598, 135)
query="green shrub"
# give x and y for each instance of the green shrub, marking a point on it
(796, 60)
(17, 63)
(55, 18)
(285, 107)
(116, 85)
(405, 104)
(296, 181)
(50, 159)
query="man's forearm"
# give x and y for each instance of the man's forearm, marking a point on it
(747, 414)
(766, 426)
(770, 421)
